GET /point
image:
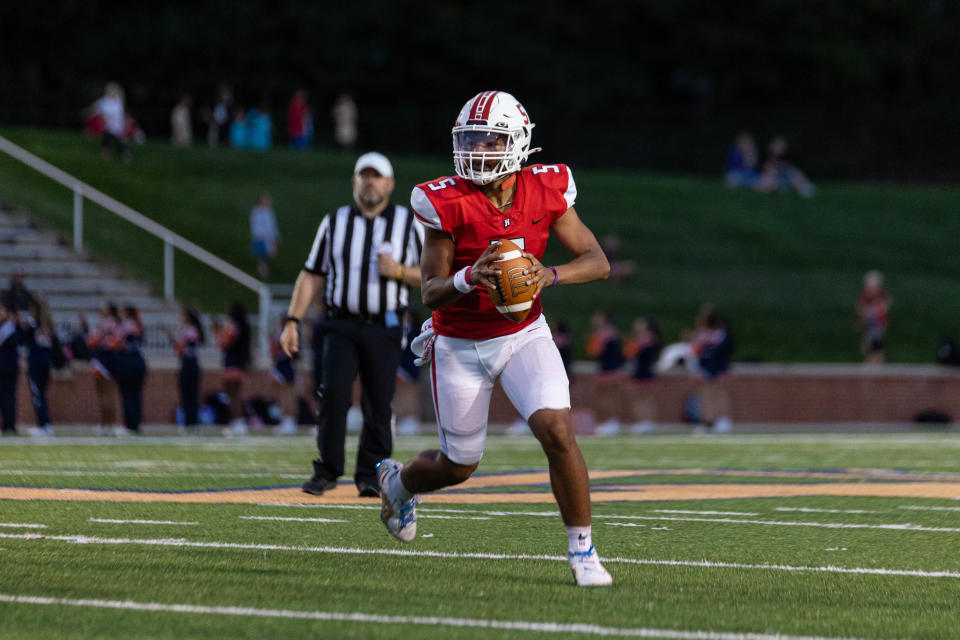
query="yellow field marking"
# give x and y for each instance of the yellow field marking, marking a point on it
(347, 494)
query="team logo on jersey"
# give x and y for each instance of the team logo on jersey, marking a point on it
(506, 223)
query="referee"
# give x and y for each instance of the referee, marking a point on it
(364, 259)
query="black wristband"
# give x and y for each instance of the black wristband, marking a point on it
(291, 319)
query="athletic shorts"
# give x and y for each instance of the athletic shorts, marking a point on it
(462, 374)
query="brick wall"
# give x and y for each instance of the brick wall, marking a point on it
(760, 393)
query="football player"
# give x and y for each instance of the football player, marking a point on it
(469, 344)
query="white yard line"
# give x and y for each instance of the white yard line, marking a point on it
(706, 513)
(112, 521)
(921, 508)
(775, 523)
(19, 525)
(812, 510)
(704, 564)
(435, 621)
(291, 519)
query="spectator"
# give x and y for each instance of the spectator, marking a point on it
(102, 364)
(345, 121)
(130, 369)
(285, 376)
(10, 340)
(260, 129)
(110, 108)
(563, 338)
(620, 269)
(873, 308)
(181, 129)
(17, 297)
(220, 116)
(642, 350)
(238, 130)
(265, 236)
(233, 338)
(299, 121)
(713, 347)
(41, 341)
(605, 345)
(188, 338)
(741, 170)
(406, 398)
(779, 173)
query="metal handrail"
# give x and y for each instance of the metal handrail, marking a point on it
(171, 240)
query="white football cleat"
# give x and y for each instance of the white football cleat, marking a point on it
(398, 516)
(587, 570)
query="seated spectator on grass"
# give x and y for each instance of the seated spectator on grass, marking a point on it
(778, 172)
(741, 170)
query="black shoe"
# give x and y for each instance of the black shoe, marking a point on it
(368, 490)
(319, 482)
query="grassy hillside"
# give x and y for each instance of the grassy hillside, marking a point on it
(786, 270)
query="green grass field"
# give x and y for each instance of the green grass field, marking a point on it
(786, 270)
(813, 566)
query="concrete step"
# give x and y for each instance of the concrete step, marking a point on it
(23, 235)
(86, 286)
(8, 219)
(38, 252)
(62, 302)
(54, 269)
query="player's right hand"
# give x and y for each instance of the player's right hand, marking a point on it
(483, 272)
(290, 339)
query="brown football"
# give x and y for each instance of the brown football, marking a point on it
(513, 297)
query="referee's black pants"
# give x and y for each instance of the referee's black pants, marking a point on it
(351, 346)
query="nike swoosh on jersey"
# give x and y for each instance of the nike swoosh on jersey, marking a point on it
(540, 220)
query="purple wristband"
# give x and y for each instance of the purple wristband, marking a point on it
(556, 276)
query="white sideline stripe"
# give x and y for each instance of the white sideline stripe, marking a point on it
(435, 517)
(370, 618)
(291, 519)
(775, 523)
(706, 513)
(112, 521)
(704, 564)
(919, 508)
(422, 510)
(20, 525)
(145, 474)
(812, 510)
(318, 506)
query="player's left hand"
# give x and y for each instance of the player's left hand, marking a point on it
(537, 274)
(389, 268)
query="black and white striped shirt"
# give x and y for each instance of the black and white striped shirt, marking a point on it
(345, 251)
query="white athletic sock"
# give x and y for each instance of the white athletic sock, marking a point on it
(580, 539)
(397, 489)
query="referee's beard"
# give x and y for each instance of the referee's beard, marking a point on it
(369, 198)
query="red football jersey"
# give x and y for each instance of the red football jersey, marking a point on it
(456, 206)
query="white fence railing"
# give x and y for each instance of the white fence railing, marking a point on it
(170, 239)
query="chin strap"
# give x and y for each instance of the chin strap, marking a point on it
(509, 182)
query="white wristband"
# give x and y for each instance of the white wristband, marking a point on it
(460, 281)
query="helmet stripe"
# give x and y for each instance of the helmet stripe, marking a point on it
(480, 109)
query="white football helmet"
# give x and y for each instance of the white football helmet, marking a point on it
(492, 127)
